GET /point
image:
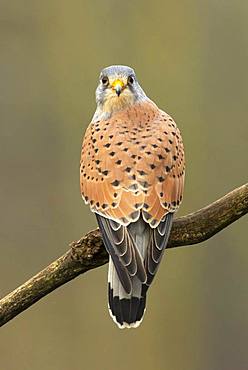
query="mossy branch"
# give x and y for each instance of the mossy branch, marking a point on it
(89, 253)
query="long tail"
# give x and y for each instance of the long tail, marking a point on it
(127, 310)
(135, 253)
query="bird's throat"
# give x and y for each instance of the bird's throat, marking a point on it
(114, 103)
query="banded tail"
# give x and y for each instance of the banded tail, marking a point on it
(127, 310)
(135, 253)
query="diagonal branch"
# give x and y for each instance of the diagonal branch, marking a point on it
(89, 253)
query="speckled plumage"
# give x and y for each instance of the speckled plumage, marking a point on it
(133, 162)
(132, 173)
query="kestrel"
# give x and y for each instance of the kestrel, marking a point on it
(132, 176)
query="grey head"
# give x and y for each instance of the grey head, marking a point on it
(118, 88)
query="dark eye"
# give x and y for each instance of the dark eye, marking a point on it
(105, 80)
(130, 80)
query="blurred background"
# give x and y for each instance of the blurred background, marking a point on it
(191, 58)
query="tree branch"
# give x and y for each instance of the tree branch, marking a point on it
(88, 252)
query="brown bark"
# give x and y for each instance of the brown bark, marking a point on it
(88, 252)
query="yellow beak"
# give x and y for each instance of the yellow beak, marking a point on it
(118, 86)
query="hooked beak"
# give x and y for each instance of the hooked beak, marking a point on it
(118, 86)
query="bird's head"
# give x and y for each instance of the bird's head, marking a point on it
(118, 88)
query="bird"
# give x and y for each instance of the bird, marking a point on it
(132, 173)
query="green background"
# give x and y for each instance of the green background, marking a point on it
(191, 58)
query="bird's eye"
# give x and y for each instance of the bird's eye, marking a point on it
(130, 80)
(105, 80)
